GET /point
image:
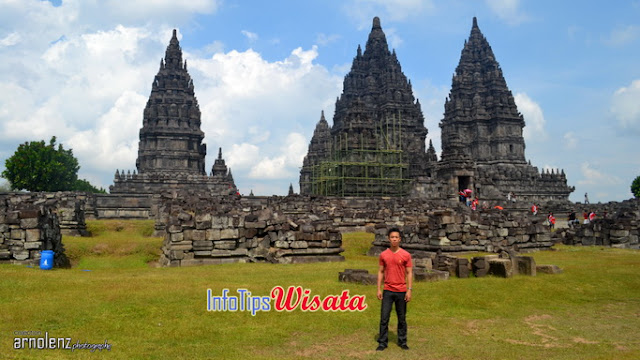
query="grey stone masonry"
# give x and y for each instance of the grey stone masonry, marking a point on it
(28, 225)
(218, 230)
(617, 227)
(70, 207)
(458, 230)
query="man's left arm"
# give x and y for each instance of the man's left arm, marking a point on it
(407, 296)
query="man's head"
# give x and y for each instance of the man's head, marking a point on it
(395, 236)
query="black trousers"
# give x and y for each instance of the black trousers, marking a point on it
(388, 299)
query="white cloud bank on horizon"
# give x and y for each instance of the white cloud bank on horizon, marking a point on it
(89, 87)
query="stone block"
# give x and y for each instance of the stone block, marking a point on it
(18, 234)
(203, 245)
(358, 276)
(502, 232)
(202, 253)
(33, 235)
(525, 265)
(430, 275)
(225, 244)
(299, 244)
(332, 243)
(443, 241)
(176, 255)
(249, 233)
(229, 234)
(548, 269)
(21, 255)
(33, 245)
(462, 268)
(29, 223)
(307, 228)
(176, 237)
(195, 235)
(282, 244)
(619, 233)
(203, 225)
(425, 263)
(4, 254)
(213, 234)
(501, 268)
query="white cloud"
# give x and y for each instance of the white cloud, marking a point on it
(241, 156)
(507, 10)
(571, 142)
(285, 165)
(623, 35)
(10, 39)
(593, 176)
(113, 143)
(251, 36)
(270, 168)
(214, 47)
(625, 107)
(363, 11)
(395, 41)
(324, 39)
(533, 117)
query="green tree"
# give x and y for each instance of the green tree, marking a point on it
(36, 166)
(635, 187)
(84, 185)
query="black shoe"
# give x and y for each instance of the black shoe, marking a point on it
(381, 348)
(404, 347)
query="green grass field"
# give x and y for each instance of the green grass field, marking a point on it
(591, 311)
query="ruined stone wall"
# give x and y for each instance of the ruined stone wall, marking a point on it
(70, 207)
(224, 230)
(202, 230)
(616, 225)
(455, 230)
(28, 225)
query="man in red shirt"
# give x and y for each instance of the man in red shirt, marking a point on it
(396, 269)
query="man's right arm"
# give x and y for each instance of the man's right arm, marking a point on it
(380, 278)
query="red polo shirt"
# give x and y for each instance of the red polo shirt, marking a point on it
(395, 269)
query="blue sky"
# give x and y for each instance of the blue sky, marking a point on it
(264, 70)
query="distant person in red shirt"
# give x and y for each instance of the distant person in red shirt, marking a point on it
(396, 269)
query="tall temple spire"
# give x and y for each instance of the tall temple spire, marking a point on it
(171, 141)
(173, 55)
(377, 114)
(478, 105)
(377, 41)
(172, 112)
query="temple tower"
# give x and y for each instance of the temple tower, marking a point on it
(377, 142)
(171, 154)
(482, 133)
(481, 121)
(170, 138)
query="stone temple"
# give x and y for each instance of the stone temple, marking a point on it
(376, 146)
(171, 154)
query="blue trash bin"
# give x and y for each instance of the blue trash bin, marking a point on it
(46, 260)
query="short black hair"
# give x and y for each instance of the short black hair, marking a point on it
(394, 229)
